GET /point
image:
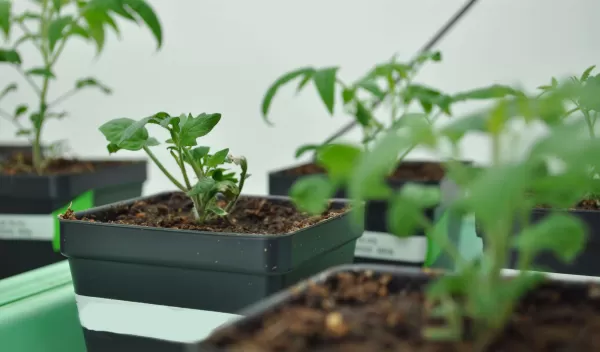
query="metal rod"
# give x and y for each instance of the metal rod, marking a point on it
(430, 44)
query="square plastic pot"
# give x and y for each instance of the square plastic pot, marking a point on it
(192, 270)
(402, 277)
(28, 206)
(377, 245)
(588, 261)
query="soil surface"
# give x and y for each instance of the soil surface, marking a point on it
(409, 170)
(18, 164)
(250, 216)
(587, 204)
(355, 312)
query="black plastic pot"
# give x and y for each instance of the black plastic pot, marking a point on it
(588, 261)
(402, 278)
(219, 272)
(27, 204)
(377, 246)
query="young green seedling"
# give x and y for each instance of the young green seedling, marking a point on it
(583, 100)
(477, 301)
(48, 27)
(388, 83)
(216, 189)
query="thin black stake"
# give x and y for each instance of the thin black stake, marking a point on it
(430, 44)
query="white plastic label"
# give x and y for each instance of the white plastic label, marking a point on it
(148, 320)
(27, 227)
(385, 246)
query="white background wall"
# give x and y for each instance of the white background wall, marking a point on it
(220, 56)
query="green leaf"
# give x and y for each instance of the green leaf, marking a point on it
(362, 114)
(77, 30)
(372, 87)
(373, 168)
(5, 9)
(10, 56)
(339, 160)
(306, 148)
(496, 302)
(304, 81)
(56, 29)
(36, 120)
(199, 152)
(217, 158)
(203, 186)
(325, 80)
(458, 128)
(553, 145)
(114, 130)
(8, 89)
(111, 22)
(449, 285)
(92, 82)
(193, 128)
(492, 92)
(118, 7)
(435, 56)
(268, 98)
(419, 128)
(227, 188)
(406, 211)
(497, 194)
(151, 142)
(586, 73)
(95, 23)
(311, 193)
(149, 17)
(24, 132)
(20, 110)
(589, 94)
(217, 211)
(40, 71)
(348, 95)
(562, 234)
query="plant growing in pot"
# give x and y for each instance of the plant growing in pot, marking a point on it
(389, 85)
(35, 187)
(204, 247)
(582, 202)
(478, 308)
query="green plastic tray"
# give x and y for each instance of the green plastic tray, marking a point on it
(38, 312)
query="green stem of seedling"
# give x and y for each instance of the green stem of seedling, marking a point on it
(590, 123)
(39, 122)
(181, 164)
(164, 170)
(231, 204)
(197, 168)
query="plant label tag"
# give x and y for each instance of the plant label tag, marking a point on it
(385, 246)
(26, 227)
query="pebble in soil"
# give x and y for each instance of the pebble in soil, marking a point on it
(366, 312)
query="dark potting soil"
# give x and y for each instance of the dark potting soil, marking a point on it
(586, 204)
(250, 216)
(414, 171)
(19, 164)
(356, 312)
